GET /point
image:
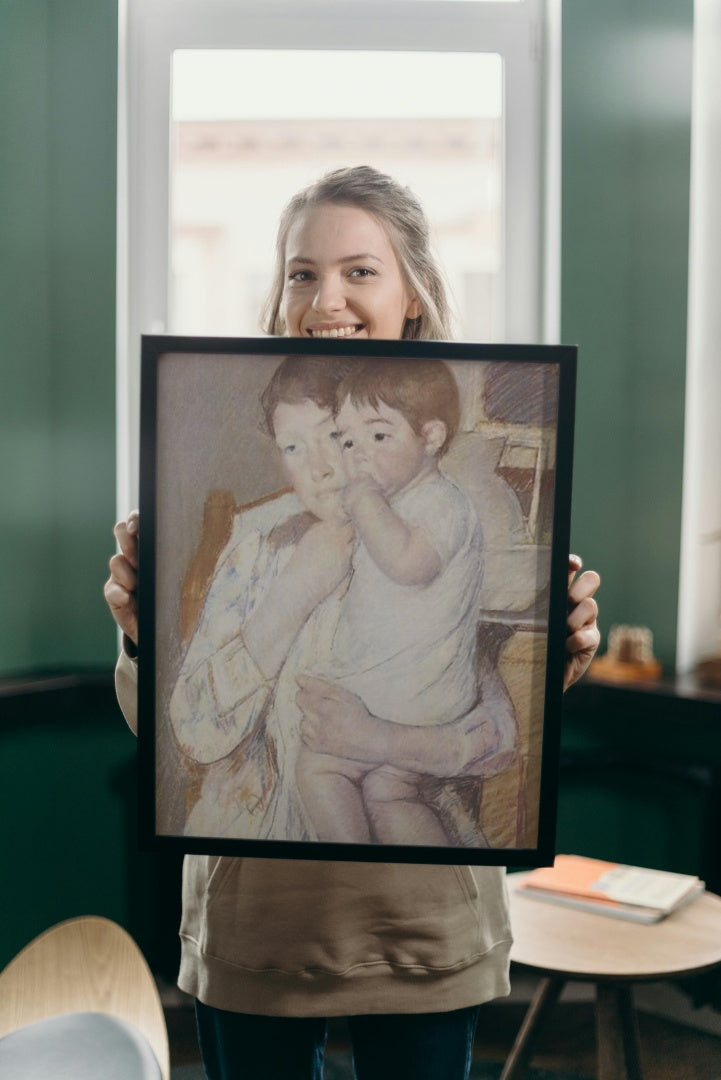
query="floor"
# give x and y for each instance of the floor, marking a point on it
(669, 1050)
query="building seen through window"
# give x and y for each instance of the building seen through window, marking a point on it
(231, 175)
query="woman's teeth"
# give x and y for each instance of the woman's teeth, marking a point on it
(337, 331)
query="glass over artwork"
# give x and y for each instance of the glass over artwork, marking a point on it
(353, 589)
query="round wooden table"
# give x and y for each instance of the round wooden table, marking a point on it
(563, 944)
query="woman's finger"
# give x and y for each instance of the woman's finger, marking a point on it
(585, 640)
(584, 586)
(318, 688)
(313, 684)
(126, 534)
(123, 608)
(582, 614)
(123, 572)
(575, 563)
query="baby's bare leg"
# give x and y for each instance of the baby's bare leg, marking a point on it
(330, 789)
(393, 804)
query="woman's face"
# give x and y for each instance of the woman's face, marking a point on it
(342, 277)
(306, 437)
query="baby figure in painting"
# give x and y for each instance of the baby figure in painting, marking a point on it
(405, 642)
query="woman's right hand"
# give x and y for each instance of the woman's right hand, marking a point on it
(120, 589)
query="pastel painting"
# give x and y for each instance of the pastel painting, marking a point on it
(355, 618)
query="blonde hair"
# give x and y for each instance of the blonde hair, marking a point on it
(402, 216)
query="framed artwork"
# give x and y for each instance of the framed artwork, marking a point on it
(352, 597)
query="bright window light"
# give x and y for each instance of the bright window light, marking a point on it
(238, 156)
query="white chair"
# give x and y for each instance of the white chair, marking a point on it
(80, 1002)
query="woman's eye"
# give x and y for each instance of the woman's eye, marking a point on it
(289, 449)
(300, 276)
(380, 436)
(362, 272)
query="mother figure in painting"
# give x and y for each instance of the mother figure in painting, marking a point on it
(271, 947)
(278, 592)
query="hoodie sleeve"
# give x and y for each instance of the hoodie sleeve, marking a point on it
(126, 688)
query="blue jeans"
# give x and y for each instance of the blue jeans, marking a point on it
(415, 1046)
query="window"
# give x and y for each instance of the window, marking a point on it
(236, 160)
(699, 623)
(227, 107)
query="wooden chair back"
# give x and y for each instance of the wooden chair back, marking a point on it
(87, 964)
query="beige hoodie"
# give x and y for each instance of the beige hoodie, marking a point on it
(309, 938)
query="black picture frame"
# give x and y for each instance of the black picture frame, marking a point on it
(213, 502)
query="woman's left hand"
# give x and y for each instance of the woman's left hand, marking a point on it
(582, 633)
(335, 721)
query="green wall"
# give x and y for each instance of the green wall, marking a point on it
(626, 145)
(641, 779)
(58, 72)
(69, 805)
(626, 135)
(66, 759)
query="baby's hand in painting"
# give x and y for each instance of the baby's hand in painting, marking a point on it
(120, 589)
(360, 487)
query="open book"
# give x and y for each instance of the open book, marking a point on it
(608, 888)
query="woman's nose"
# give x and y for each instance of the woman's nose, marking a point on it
(321, 463)
(329, 295)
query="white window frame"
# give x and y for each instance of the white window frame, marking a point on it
(699, 597)
(526, 34)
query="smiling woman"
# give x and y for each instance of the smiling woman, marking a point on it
(336, 295)
(353, 259)
(444, 133)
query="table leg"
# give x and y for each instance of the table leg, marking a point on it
(545, 997)
(617, 1033)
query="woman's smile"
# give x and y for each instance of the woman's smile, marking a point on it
(335, 331)
(342, 277)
